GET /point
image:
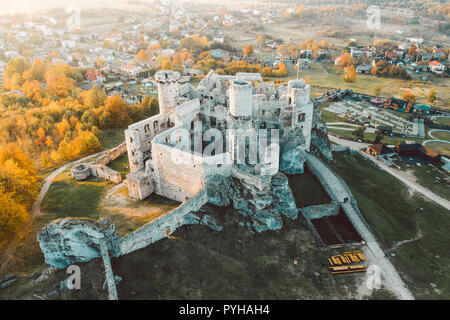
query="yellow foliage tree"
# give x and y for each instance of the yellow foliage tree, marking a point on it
(350, 73)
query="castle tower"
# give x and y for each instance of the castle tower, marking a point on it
(167, 83)
(241, 95)
(302, 107)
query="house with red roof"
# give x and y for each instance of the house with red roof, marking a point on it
(436, 67)
(94, 75)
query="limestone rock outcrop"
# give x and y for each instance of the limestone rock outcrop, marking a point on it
(73, 240)
(320, 144)
(261, 210)
(292, 151)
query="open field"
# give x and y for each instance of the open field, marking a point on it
(232, 264)
(442, 135)
(121, 164)
(327, 76)
(426, 176)
(443, 120)
(439, 147)
(417, 242)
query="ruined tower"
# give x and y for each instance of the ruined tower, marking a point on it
(302, 107)
(240, 94)
(167, 83)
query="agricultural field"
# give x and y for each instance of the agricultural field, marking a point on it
(327, 77)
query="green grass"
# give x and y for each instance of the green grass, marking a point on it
(439, 147)
(112, 138)
(426, 176)
(442, 135)
(391, 213)
(445, 121)
(121, 164)
(232, 264)
(69, 198)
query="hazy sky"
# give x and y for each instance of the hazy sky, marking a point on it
(28, 6)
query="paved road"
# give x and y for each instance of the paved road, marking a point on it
(368, 130)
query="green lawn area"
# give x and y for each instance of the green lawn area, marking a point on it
(439, 147)
(232, 264)
(112, 138)
(445, 121)
(391, 213)
(426, 176)
(442, 135)
(69, 198)
(121, 164)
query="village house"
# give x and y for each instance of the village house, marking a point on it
(436, 67)
(380, 149)
(363, 69)
(130, 70)
(94, 75)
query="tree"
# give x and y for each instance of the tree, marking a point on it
(99, 62)
(248, 50)
(142, 55)
(409, 96)
(95, 97)
(412, 51)
(350, 73)
(167, 65)
(431, 95)
(346, 60)
(377, 90)
(378, 137)
(359, 132)
(115, 113)
(261, 40)
(12, 216)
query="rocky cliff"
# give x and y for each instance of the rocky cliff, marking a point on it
(320, 144)
(67, 241)
(260, 210)
(292, 151)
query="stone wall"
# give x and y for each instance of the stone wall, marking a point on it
(182, 170)
(112, 154)
(81, 171)
(163, 226)
(260, 182)
(101, 171)
(98, 168)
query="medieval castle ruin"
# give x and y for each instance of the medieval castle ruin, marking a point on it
(229, 142)
(168, 152)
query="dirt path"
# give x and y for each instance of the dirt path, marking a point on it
(11, 246)
(375, 255)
